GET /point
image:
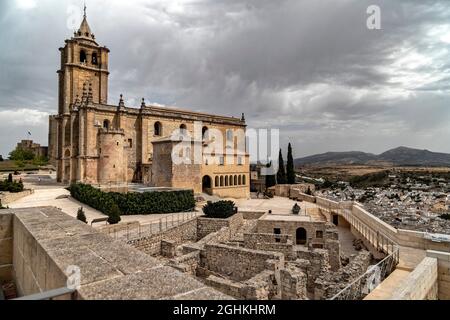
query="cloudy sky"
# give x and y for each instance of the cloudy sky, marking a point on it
(310, 68)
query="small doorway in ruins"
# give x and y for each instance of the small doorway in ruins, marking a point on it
(335, 219)
(207, 185)
(301, 236)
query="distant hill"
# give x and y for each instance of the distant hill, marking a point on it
(401, 156)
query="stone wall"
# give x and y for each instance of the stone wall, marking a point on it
(8, 197)
(315, 263)
(421, 283)
(186, 231)
(443, 273)
(239, 264)
(47, 242)
(187, 263)
(330, 284)
(252, 215)
(6, 247)
(293, 284)
(206, 226)
(260, 287)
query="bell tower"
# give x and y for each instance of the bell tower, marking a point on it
(83, 60)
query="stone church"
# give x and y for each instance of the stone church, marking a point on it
(94, 142)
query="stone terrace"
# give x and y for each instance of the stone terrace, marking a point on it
(46, 242)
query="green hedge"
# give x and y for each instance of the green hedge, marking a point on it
(13, 187)
(219, 209)
(134, 203)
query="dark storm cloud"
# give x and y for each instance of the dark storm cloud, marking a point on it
(310, 68)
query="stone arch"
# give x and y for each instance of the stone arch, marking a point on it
(231, 180)
(207, 184)
(244, 180)
(221, 181)
(226, 181)
(67, 153)
(301, 236)
(217, 182)
(235, 180)
(240, 180)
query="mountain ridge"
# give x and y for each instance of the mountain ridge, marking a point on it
(397, 156)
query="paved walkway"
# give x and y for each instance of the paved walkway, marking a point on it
(44, 197)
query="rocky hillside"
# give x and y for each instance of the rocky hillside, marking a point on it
(401, 156)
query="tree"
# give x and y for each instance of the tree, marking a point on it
(1, 158)
(270, 179)
(81, 216)
(21, 155)
(10, 178)
(281, 174)
(114, 214)
(290, 171)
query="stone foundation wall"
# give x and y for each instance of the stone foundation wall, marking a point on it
(252, 215)
(8, 197)
(206, 226)
(293, 284)
(239, 264)
(186, 231)
(187, 263)
(330, 284)
(6, 247)
(443, 273)
(421, 283)
(315, 263)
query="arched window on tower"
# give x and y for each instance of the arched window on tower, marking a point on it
(158, 129)
(106, 124)
(83, 56)
(205, 133)
(94, 58)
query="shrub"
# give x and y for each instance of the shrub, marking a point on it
(220, 209)
(12, 187)
(134, 203)
(114, 215)
(81, 216)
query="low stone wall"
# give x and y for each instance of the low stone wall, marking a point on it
(260, 287)
(6, 247)
(315, 263)
(421, 284)
(8, 197)
(252, 215)
(239, 264)
(291, 190)
(303, 197)
(330, 284)
(186, 231)
(206, 226)
(187, 263)
(293, 284)
(115, 228)
(443, 273)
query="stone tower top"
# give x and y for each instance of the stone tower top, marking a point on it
(84, 32)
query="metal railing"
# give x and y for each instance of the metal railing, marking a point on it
(366, 283)
(155, 227)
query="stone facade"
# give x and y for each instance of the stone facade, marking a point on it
(36, 148)
(93, 142)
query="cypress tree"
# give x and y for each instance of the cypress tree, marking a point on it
(270, 179)
(290, 167)
(281, 174)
